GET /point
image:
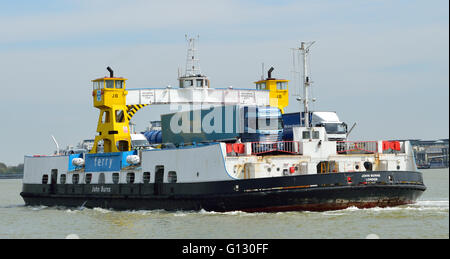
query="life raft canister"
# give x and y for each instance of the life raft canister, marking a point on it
(239, 148)
(394, 145)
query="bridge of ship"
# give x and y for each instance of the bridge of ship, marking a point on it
(118, 105)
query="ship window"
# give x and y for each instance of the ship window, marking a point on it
(172, 177)
(199, 82)
(109, 83)
(45, 179)
(119, 116)
(146, 177)
(101, 178)
(88, 178)
(75, 178)
(187, 83)
(115, 177)
(315, 134)
(262, 86)
(305, 134)
(62, 179)
(281, 85)
(130, 177)
(95, 85)
(119, 84)
(98, 85)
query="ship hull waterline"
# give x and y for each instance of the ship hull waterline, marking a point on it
(321, 192)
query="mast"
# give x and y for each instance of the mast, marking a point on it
(304, 48)
(193, 77)
(192, 62)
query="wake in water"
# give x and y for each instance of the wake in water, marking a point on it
(420, 206)
(428, 206)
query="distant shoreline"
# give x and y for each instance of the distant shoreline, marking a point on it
(11, 176)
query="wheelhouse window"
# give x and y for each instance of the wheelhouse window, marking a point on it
(109, 83)
(172, 177)
(45, 179)
(281, 85)
(97, 85)
(199, 82)
(187, 83)
(119, 84)
(130, 177)
(261, 86)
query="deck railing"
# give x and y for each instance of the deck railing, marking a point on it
(356, 147)
(290, 147)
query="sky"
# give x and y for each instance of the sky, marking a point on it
(381, 64)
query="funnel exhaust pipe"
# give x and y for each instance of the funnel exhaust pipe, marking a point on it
(269, 73)
(111, 72)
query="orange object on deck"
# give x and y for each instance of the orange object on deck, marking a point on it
(239, 148)
(395, 145)
(229, 148)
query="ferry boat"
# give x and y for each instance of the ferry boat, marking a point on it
(248, 167)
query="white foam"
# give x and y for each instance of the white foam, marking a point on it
(101, 210)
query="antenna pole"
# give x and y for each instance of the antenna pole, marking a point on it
(262, 71)
(306, 82)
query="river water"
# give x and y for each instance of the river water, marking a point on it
(428, 218)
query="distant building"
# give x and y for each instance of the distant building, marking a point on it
(431, 153)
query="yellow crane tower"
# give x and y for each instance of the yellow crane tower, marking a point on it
(113, 128)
